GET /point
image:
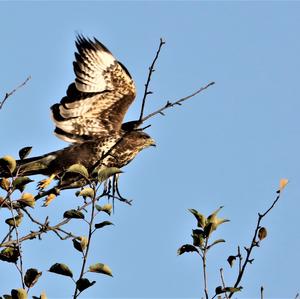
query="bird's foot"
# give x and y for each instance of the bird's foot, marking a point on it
(46, 182)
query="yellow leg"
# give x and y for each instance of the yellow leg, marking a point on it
(46, 182)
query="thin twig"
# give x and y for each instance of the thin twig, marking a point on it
(151, 70)
(223, 281)
(8, 94)
(261, 292)
(254, 243)
(204, 251)
(177, 102)
(91, 222)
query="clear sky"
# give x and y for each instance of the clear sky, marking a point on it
(228, 146)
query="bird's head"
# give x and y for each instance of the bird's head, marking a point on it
(140, 140)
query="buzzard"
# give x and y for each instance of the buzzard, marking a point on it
(90, 117)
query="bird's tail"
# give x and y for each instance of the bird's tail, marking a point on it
(30, 166)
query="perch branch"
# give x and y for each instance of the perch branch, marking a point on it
(177, 102)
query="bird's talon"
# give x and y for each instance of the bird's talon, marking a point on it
(45, 183)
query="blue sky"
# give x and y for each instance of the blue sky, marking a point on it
(228, 146)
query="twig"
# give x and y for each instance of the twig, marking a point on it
(8, 94)
(223, 281)
(177, 102)
(204, 251)
(261, 292)
(151, 70)
(254, 243)
(91, 222)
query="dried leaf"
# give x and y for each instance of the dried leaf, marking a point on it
(102, 224)
(43, 295)
(19, 294)
(100, 268)
(73, 214)
(24, 152)
(282, 184)
(84, 283)
(104, 174)
(31, 277)
(27, 199)
(187, 248)
(262, 233)
(231, 260)
(61, 269)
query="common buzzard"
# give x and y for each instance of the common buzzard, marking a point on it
(90, 116)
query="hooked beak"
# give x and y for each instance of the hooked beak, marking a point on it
(152, 142)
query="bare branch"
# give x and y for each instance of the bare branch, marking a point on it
(254, 242)
(177, 102)
(151, 70)
(8, 94)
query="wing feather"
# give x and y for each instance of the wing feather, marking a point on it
(96, 103)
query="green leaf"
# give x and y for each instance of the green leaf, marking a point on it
(8, 163)
(80, 243)
(102, 224)
(87, 192)
(200, 218)
(19, 294)
(61, 269)
(198, 237)
(9, 255)
(14, 221)
(232, 289)
(187, 248)
(80, 169)
(100, 268)
(216, 242)
(84, 283)
(24, 152)
(73, 214)
(20, 182)
(107, 208)
(5, 184)
(213, 222)
(104, 174)
(7, 296)
(31, 277)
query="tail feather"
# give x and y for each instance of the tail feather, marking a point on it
(31, 166)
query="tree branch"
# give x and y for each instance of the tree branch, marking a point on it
(177, 102)
(151, 70)
(254, 242)
(8, 94)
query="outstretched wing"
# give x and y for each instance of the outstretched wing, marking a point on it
(97, 101)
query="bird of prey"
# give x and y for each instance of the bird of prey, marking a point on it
(90, 117)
